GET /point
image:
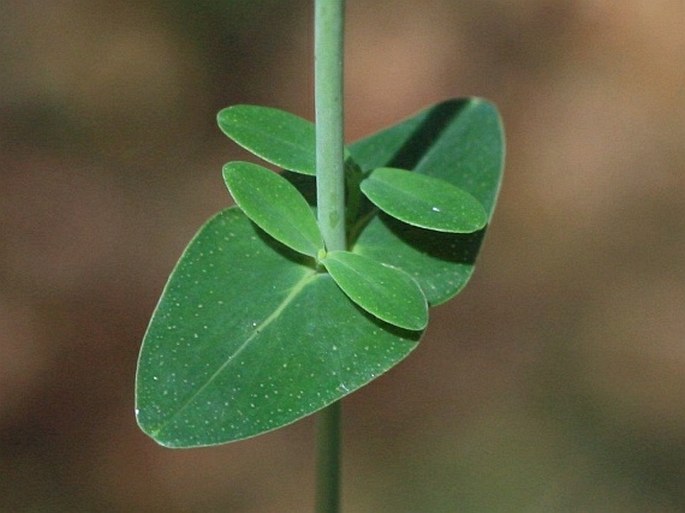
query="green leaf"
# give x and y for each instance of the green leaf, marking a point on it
(384, 291)
(424, 201)
(279, 137)
(275, 205)
(460, 141)
(247, 337)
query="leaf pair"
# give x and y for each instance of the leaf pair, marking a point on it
(288, 141)
(278, 208)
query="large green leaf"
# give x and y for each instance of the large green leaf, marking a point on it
(247, 338)
(459, 141)
(275, 205)
(424, 201)
(274, 135)
(386, 292)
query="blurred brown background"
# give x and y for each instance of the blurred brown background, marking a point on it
(555, 383)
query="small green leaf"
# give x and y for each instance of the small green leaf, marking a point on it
(386, 292)
(279, 137)
(424, 201)
(275, 205)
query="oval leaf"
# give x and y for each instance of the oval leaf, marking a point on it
(275, 205)
(460, 141)
(279, 137)
(246, 339)
(386, 292)
(424, 201)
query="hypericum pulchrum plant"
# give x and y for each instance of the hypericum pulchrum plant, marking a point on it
(320, 279)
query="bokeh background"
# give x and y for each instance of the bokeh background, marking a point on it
(554, 383)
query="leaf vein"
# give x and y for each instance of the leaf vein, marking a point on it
(296, 289)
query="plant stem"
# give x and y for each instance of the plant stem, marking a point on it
(329, 16)
(328, 92)
(328, 460)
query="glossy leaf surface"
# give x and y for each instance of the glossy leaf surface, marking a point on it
(279, 137)
(247, 338)
(275, 205)
(386, 292)
(424, 201)
(459, 141)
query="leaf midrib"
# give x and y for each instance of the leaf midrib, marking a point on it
(284, 141)
(375, 286)
(403, 194)
(296, 289)
(296, 228)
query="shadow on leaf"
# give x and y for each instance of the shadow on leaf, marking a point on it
(458, 248)
(420, 141)
(282, 249)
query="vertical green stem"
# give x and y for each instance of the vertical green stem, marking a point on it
(328, 460)
(330, 196)
(328, 92)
